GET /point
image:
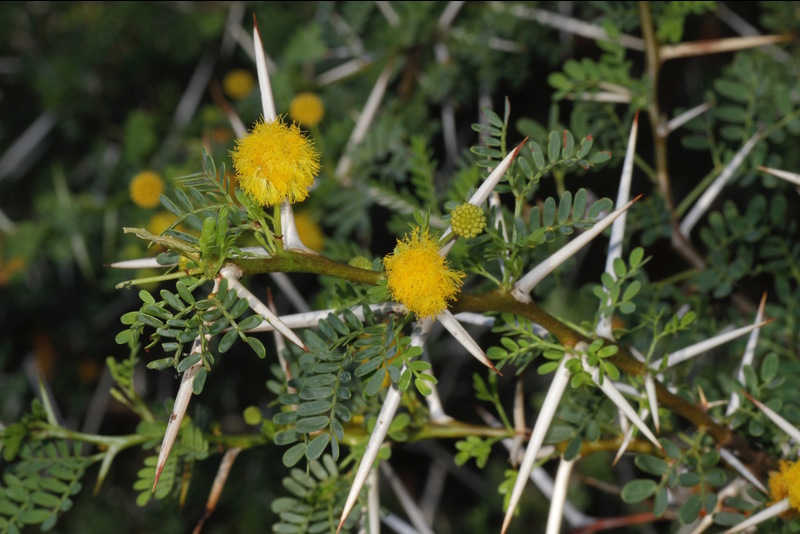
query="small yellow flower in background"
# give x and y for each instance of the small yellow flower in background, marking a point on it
(786, 483)
(418, 277)
(467, 220)
(309, 231)
(160, 222)
(276, 162)
(146, 188)
(238, 83)
(9, 268)
(307, 109)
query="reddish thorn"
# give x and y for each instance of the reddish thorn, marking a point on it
(636, 117)
(752, 399)
(519, 147)
(158, 475)
(638, 197)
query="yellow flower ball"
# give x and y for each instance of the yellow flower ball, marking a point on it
(276, 162)
(307, 109)
(309, 231)
(146, 188)
(418, 277)
(238, 83)
(786, 483)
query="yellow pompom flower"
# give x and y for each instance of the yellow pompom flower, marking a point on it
(309, 231)
(786, 483)
(146, 188)
(307, 109)
(238, 83)
(276, 162)
(418, 277)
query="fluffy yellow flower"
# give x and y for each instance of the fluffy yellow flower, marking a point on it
(418, 277)
(309, 231)
(276, 162)
(786, 483)
(146, 188)
(307, 109)
(238, 83)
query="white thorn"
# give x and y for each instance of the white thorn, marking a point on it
(364, 121)
(397, 525)
(406, 501)
(568, 24)
(284, 283)
(628, 436)
(267, 100)
(616, 397)
(485, 189)
(461, 335)
(768, 513)
(557, 387)
(178, 411)
(618, 227)
(344, 70)
(182, 399)
(232, 274)
(791, 177)
(374, 503)
(449, 14)
(559, 496)
(600, 96)
(140, 263)
(731, 490)
(782, 423)
(310, 319)
(652, 400)
(488, 185)
(705, 201)
(291, 239)
(389, 408)
(686, 116)
(691, 351)
(389, 13)
(435, 408)
(623, 196)
(499, 224)
(525, 285)
(740, 468)
(747, 357)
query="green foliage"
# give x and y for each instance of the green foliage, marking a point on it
(618, 290)
(314, 500)
(41, 485)
(521, 343)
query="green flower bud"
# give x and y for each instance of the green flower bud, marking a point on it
(467, 220)
(361, 262)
